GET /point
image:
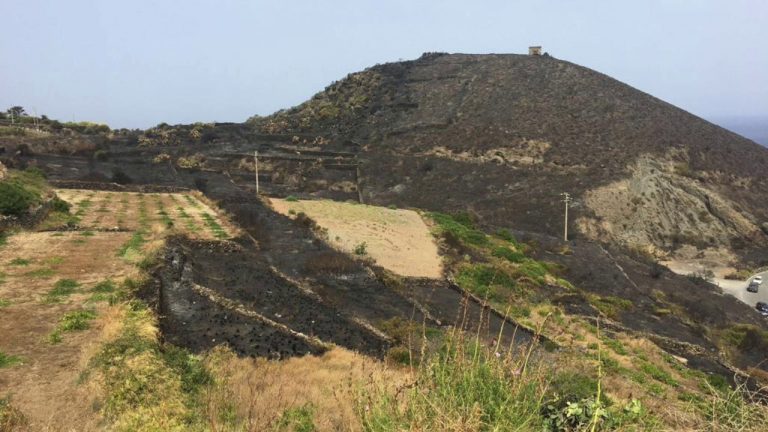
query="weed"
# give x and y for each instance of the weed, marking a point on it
(299, 419)
(133, 246)
(70, 322)
(105, 286)
(20, 262)
(4, 303)
(214, 227)
(486, 281)
(2, 278)
(291, 198)
(11, 418)
(361, 249)
(193, 202)
(43, 273)
(55, 260)
(460, 228)
(657, 373)
(616, 346)
(611, 306)
(7, 360)
(62, 288)
(508, 254)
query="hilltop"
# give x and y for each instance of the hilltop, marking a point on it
(512, 132)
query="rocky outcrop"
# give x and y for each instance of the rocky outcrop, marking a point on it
(661, 206)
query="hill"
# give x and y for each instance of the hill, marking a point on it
(511, 132)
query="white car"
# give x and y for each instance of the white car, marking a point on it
(758, 280)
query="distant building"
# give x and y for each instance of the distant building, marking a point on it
(534, 50)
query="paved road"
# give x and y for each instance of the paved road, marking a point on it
(738, 289)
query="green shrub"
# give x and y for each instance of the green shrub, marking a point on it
(461, 227)
(291, 198)
(299, 419)
(508, 254)
(486, 281)
(59, 205)
(361, 249)
(15, 200)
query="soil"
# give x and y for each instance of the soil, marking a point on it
(395, 239)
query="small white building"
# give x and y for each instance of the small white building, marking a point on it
(534, 50)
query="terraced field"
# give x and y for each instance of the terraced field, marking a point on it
(57, 287)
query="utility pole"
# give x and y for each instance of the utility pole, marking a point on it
(566, 200)
(256, 169)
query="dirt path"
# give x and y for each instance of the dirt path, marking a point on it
(396, 239)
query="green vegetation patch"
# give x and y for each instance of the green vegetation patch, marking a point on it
(42, 273)
(62, 288)
(657, 373)
(132, 248)
(611, 306)
(71, 322)
(298, 419)
(20, 191)
(486, 281)
(459, 227)
(7, 360)
(22, 262)
(214, 226)
(508, 254)
(149, 386)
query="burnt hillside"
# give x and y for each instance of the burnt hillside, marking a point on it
(505, 134)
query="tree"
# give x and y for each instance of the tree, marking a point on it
(16, 111)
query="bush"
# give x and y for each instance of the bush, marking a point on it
(59, 205)
(509, 254)
(361, 249)
(16, 200)
(461, 227)
(330, 262)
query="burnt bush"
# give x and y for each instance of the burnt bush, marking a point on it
(330, 262)
(120, 177)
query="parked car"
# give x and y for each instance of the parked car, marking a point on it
(753, 287)
(762, 307)
(758, 280)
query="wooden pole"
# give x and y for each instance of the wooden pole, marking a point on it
(566, 200)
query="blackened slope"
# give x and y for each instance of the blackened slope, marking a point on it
(505, 134)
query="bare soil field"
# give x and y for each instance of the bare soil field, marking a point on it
(396, 239)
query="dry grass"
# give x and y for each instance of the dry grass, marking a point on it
(397, 240)
(262, 390)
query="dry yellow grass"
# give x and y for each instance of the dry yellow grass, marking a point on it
(330, 384)
(396, 239)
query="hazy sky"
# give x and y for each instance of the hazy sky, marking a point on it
(136, 63)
